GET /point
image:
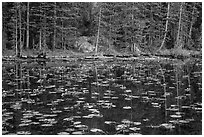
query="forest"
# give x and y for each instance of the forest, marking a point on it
(132, 28)
(101, 68)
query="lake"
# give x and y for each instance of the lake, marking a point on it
(103, 97)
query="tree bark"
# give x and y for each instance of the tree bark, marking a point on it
(191, 26)
(54, 37)
(178, 41)
(133, 44)
(98, 31)
(62, 36)
(190, 31)
(20, 35)
(44, 33)
(16, 30)
(40, 40)
(27, 30)
(43, 29)
(166, 28)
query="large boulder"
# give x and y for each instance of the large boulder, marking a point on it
(86, 47)
(83, 44)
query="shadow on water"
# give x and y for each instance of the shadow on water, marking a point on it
(99, 97)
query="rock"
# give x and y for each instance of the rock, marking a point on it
(83, 45)
(86, 47)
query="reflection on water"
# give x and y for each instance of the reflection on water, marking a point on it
(143, 97)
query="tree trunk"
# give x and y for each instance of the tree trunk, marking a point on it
(20, 35)
(63, 45)
(54, 36)
(40, 40)
(133, 44)
(178, 40)
(17, 30)
(27, 30)
(110, 30)
(191, 26)
(166, 28)
(23, 37)
(98, 31)
(44, 33)
(33, 44)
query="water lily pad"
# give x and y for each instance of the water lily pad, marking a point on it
(134, 128)
(175, 116)
(127, 107)
(47, 125)
(23, 124)
(81, 127)
(172, 109)
(89, 116)
(23, 133)
(125, 121)
(77, 122)
(167, 125)
(114, 97)
(77, 133)
(106, 97)
(96, 130)
(184, 121)
(121, 126)
(69, 129)
(137, 123)
(128, 98)
(50, 86)
(135, 134)
(110, 122)
(68, 119)
(63, 133)
(93, 110)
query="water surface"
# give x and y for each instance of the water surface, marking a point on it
(102, 97)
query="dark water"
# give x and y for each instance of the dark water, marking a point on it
(102, 97)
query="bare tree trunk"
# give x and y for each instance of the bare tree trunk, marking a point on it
(178, 41)
(43, 29)
(23, 37)
(110, 29)
(40, 31)
(17, 30)
(33, 44)
(44, 33)
(62, 36)
(54, 37)
(191, 26)
(166, 28)
(98, 31)
(151, 28)
(20, 35)
(133, 44)
(40, 40)
(27, 36)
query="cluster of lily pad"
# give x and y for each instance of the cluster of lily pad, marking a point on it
(98, 98)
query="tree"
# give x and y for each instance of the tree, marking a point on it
(150, 27)
(27, 36)
(19, 47)
(178, 40)
(98, 33)
(166, 28)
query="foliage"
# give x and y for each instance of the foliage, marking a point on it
(123, 25)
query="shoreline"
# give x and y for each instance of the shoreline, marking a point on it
(67, 55)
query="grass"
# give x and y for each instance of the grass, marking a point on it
(59, 53)
(179, 52)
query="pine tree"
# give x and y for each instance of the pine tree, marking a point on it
(27, 29)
